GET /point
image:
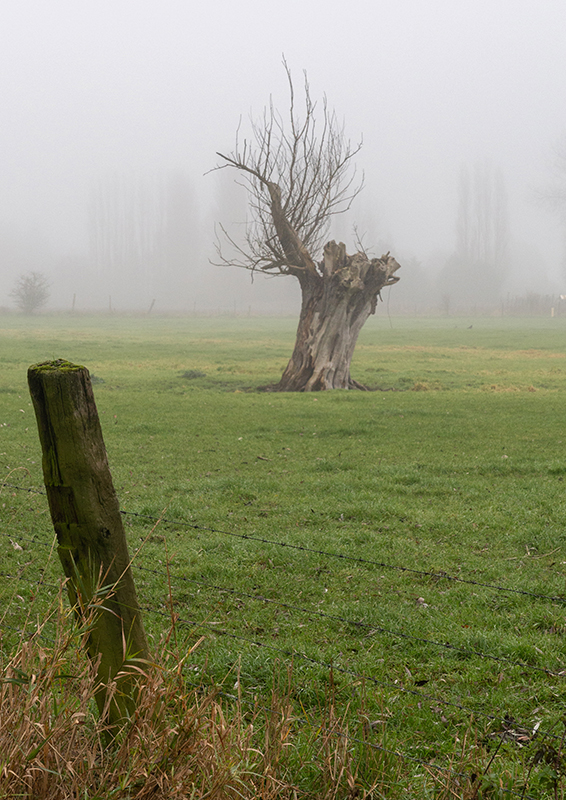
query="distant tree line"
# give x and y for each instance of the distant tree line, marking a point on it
(144, 234)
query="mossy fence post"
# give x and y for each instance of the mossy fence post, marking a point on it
(90, 534)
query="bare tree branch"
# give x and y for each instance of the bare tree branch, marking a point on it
(298, 176)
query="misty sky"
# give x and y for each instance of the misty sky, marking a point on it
(89, 89)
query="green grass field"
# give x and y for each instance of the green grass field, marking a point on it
(454, 465)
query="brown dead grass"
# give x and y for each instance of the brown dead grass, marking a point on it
(181, 743)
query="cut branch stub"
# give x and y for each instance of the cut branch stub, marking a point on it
(334, 257)
(90, 534)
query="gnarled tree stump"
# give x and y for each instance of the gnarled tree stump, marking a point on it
(338, 296)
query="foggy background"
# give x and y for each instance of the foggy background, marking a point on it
(113, 111)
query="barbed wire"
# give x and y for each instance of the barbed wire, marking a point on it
(437, 575)
(355, 623)
(365, 561)
(430, 765)
(332, 667)
(291, 653)
(311, 612)
(386, 684)
(23, 488)
(471, 777)
(26, 539)
(333, 732)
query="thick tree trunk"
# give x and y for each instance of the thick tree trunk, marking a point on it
(337, 299)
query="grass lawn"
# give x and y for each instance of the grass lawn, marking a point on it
(454, 467)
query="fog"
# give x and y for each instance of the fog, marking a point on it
(113, 112)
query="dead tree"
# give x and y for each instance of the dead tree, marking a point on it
(300, 174)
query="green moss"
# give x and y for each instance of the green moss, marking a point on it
(59, 364)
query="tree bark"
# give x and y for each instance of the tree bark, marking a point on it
(91, 539)
(337, 299)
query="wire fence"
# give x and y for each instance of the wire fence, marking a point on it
(436, 575)
(291, 654)
(468, 778)
(370, 629)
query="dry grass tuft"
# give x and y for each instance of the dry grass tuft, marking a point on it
(182, 742)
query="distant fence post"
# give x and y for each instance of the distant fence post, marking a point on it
(90, 534)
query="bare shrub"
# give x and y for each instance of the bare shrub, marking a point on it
(31, 292)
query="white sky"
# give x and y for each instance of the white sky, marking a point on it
(88, 87)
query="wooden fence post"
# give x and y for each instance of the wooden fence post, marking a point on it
(90, 534)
